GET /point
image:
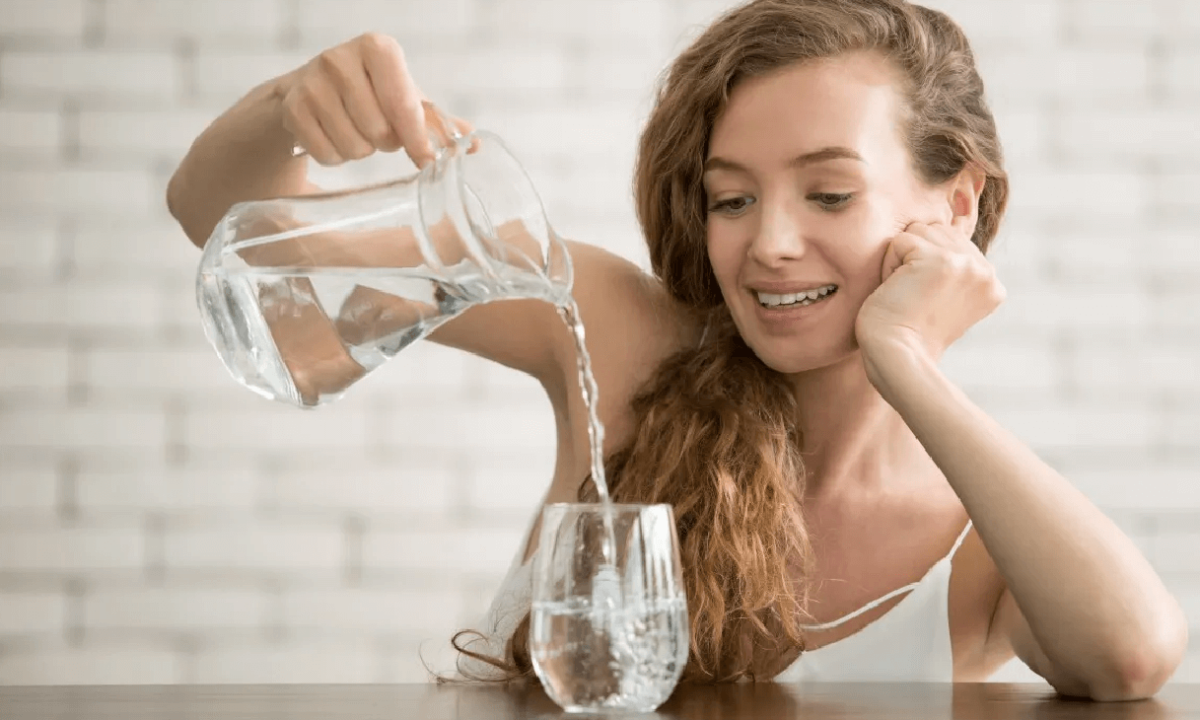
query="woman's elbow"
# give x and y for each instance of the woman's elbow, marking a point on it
(1143, 672)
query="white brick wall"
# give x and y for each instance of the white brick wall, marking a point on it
(37, 20)
(63, 190)
(454, 20)
(1179, 74)
(36, 614)
(265, 544)
(216, 489)
(371, 611)
(53, 426)
(103, 76)
(180, 608)
(221, 76)
(72, 548)
(161, 524)
(121, 662)
(28, 488)
(159, 23)
(136, 134)
(29, 247)
(298, 660)
(30, 133)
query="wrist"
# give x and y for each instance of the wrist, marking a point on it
(894, 362)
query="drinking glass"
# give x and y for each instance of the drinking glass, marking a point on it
(609, 621)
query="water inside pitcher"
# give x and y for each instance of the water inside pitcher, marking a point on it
(302, 297)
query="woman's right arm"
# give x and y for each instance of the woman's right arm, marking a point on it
(344, 104)
(245, 154)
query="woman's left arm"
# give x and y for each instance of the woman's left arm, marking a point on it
(1084, 609)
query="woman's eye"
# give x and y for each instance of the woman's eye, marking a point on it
(830, 201)
(732, 206)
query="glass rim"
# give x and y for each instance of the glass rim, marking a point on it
(598, 506)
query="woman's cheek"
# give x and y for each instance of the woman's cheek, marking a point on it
(722, 258)
(861, 259)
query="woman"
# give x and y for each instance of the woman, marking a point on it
(817, 184)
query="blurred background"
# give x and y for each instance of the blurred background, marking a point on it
(161, 524)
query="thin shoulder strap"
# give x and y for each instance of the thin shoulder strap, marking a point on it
(865, 608)
(962, 536)
(898, 591)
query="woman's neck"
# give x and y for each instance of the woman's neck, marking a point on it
(853, 441)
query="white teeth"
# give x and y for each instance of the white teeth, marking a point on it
(804, 298)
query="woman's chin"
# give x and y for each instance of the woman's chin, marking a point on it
(788, 359)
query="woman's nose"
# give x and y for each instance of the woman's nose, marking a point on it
(779, 238)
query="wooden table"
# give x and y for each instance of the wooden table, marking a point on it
(763, 701)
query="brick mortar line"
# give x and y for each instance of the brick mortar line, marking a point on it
(75, 631)
(289, 30)
(93, 24)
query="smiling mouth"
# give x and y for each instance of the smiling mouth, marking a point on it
(781, 302)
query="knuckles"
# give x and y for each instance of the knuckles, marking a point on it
(335, 65)
(971, 270)
(306, 92)
(379, 135)
(381, 45)
(330, 77)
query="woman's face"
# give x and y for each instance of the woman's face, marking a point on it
(806, 180)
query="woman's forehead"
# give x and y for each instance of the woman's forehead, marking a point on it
(848, 101)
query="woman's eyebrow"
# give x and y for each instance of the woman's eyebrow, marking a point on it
(832, 152)
(825, 154)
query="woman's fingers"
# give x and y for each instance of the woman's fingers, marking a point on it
(398, 97)
(358, 98)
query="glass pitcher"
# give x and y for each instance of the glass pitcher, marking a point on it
(302, 297)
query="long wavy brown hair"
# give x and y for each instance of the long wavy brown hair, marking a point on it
(716, 433)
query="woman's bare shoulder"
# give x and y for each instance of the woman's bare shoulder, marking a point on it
(627, 310)
(631, 325)
(630, 321)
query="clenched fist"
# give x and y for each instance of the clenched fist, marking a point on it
(358, 98)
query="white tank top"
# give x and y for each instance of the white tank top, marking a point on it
(909, 643)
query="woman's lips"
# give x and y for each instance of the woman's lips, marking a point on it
(782, 317)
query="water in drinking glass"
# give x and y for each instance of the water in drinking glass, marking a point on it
(608, 627)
